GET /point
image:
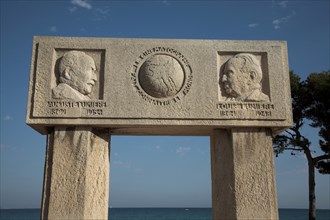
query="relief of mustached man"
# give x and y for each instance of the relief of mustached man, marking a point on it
(77, 76)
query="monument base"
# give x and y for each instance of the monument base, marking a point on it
(77, 169)
(243, 179)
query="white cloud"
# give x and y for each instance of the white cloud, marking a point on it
(98, 14)
(278, 22)
(53, 29)
(283, 4)
(200, 151)
(277, 26)
(82, 3)
(73, 9)
(7, 118)
(122, 164)
(182, 150)
(127, 165)
(101, 13)
(253, 25)
(157, 147)
(10, 148)
(3, 146)
(273, 3)
(138, 169)
(166, 2)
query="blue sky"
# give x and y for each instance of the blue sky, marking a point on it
(152, 171)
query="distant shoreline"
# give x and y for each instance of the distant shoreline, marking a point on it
(158, 208)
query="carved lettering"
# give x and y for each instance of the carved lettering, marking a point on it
(244, 109)
(228, 113)
(188, 85)
(57, 112)
(177, 98)
(264, 113)
(60, 104)
(151, 100)
(165, 50)
(92, 104)
(246, 106)
(63, 108)
(94, 112)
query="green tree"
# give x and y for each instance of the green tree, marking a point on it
(310, 104)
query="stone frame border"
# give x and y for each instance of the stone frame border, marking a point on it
(198, 112)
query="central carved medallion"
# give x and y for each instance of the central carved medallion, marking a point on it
(161, 76)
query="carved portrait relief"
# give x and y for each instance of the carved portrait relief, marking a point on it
(241, 79)
(77, 76)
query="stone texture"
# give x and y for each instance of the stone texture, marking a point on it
(153, 84)
(243, 178)
(76, 179)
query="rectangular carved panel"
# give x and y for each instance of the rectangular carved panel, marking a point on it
(157, 86)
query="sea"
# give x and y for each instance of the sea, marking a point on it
(161, 214)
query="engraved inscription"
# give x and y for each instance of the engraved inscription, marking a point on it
(85, 108)
(241, 79)
(264, 113)
(60, 104)
(161, 76)
(60, 112)
(77, 76)
(94, 112)
(245, 109)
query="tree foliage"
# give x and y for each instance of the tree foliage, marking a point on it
(318, 85)
(292, 139)
(310, 104)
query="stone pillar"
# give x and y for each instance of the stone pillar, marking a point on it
(243, 179)
(76, 178)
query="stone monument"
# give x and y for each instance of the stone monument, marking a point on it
(83, 90)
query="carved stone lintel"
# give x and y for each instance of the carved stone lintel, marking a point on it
(194, 86)
(76, 179)
(243, 180)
